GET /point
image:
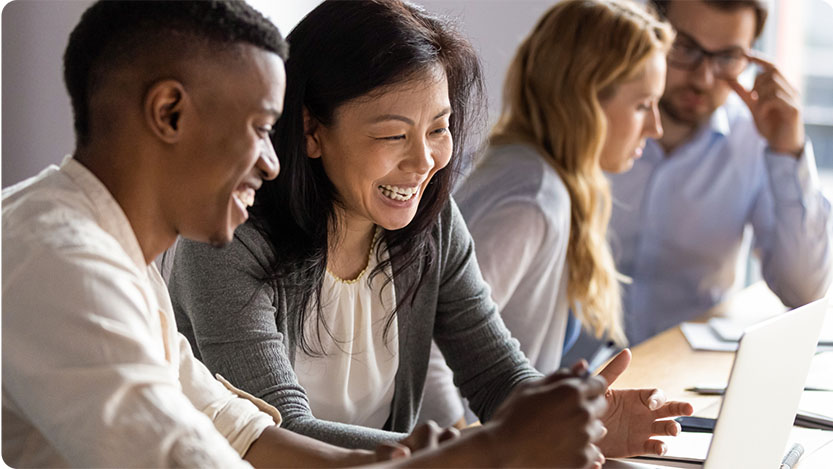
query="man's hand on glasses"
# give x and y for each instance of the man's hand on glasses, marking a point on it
(776, 107)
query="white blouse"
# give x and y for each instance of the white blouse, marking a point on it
(353, 382)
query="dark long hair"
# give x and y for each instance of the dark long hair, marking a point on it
(341, 51)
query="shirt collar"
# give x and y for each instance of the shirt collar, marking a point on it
(108, 212)
(718, 124)
(719, 121)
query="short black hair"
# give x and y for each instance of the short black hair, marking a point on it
(759, 6)
(115, 32)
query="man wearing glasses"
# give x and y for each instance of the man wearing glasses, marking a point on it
(730, 157)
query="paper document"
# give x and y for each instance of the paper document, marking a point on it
(809, 438)
(687, 446)
(816, 409)
(643, 464)
(691, 447)
(701, 337)
(728, 329)
(731, 329)
(705, 336)
(821, 375)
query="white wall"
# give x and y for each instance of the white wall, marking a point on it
(495, 28)
(36, 114)
(37, 118)
(285, 13)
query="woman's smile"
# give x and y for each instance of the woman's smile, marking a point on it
(380, 179)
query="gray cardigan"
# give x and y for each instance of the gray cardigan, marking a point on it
(238, 325)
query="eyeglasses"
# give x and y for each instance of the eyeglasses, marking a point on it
(687, 54)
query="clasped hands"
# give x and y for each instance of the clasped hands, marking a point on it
(568, 419)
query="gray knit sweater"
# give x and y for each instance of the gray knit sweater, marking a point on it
(238, 325)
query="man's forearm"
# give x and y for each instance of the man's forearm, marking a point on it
(282, 448)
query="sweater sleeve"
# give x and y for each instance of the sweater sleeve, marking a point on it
(793, 229)
(239, 329)
(487, 362)
(440, 400)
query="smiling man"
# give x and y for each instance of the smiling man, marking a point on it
(730, 157)
(174, 103)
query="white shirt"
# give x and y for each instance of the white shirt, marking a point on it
(518, 212)
(94, 372)
(678, 222)
(353, 382)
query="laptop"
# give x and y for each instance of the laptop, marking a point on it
(761, 399)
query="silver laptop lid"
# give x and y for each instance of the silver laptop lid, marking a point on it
(764, 389)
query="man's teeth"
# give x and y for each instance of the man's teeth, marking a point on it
(398, 193)
(246, 197)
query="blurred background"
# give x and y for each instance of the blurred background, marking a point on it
(37, 121)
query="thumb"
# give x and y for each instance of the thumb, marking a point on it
(448, 434)
(616, 367)
(652, 398)
(745, 95)
(387, 451)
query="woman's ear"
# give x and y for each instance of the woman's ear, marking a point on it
(164, 104)
(311, 130)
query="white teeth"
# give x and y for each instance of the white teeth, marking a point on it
(246, 197)
(398, 193)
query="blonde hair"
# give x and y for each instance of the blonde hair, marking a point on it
(578, 53)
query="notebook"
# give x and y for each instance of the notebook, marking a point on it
(730, 330)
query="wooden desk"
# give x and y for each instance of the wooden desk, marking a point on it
(669, 363)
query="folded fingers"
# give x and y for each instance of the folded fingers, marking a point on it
(665, 428)
(654, 447)
(673, 409)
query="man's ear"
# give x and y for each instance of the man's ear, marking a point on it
(164, 104)
(311, 133)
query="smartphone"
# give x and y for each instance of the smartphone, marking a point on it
(696, 424)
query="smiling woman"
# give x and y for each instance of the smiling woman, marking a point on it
(355, 257)
(381, 154)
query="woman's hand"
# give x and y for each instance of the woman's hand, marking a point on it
(635, 415)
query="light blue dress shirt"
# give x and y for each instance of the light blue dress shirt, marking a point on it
(678, 222)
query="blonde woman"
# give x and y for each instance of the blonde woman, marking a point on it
(580, 99)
